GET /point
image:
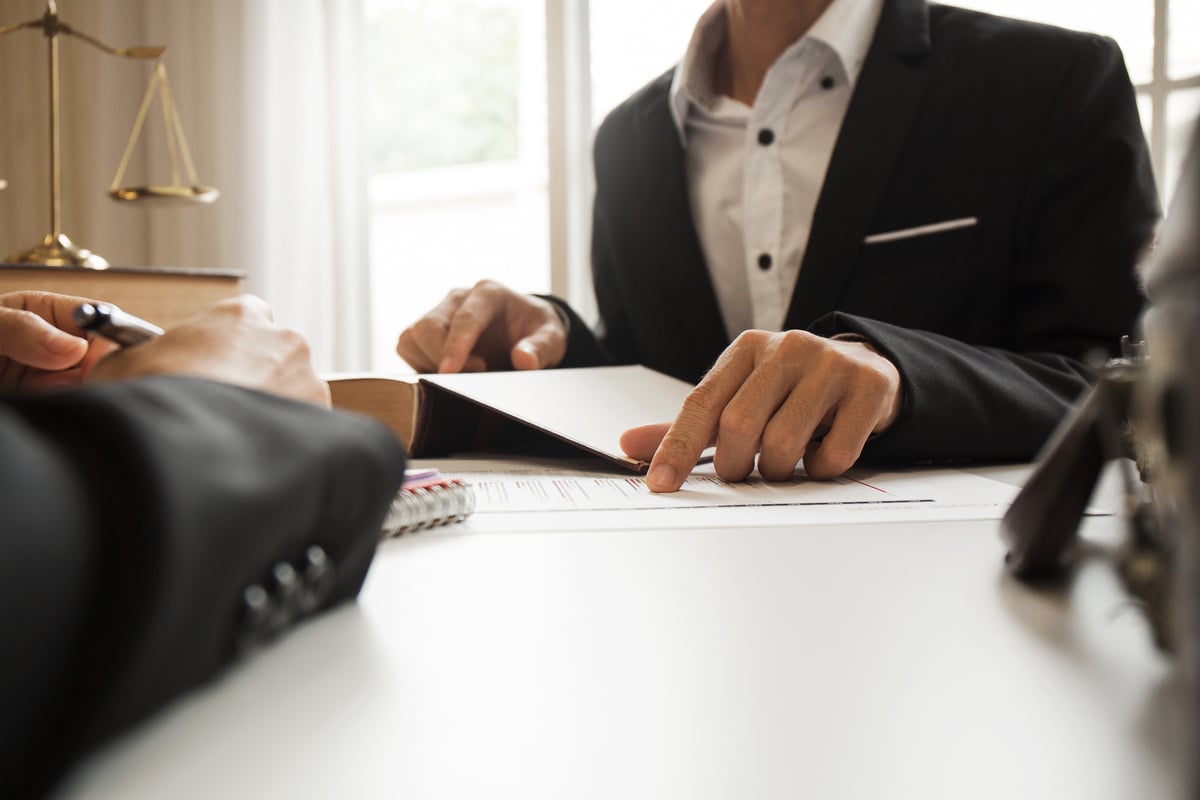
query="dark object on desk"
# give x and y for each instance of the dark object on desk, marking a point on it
(1147, 406)
(1142, 407)
(1041, 524)
(1167, 407)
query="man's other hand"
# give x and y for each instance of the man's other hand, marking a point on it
(487, 327)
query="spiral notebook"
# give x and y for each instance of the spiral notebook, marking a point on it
(428, 499)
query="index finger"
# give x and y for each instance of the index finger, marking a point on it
(470, 320)
(57, 309)
(696, 424)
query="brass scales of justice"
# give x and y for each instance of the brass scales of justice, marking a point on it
(56, 250)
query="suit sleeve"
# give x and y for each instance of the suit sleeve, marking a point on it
(1088, 214)
(136, 517)
(612, 341)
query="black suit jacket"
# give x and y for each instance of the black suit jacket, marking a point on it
(134, 517)
(1032, 129)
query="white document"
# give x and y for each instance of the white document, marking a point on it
(541, 495)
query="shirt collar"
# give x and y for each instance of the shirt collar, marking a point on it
(846, 26)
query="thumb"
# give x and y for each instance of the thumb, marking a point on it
(30, 340)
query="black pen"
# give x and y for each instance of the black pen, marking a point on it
(114, 324)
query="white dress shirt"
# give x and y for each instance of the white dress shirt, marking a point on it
(754, 173)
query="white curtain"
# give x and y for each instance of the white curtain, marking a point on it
(270, 96)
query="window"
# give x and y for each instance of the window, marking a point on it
(482, 111)
(458, 164)
(626, 56)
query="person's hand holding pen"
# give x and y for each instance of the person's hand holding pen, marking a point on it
(234, 341)
(41, 346)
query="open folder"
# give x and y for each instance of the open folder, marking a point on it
(588, 408)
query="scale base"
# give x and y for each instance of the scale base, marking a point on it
(56, 250)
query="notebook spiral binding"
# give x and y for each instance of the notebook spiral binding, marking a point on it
(421, 507)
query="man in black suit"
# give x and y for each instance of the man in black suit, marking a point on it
(897, 228)
(194, 498)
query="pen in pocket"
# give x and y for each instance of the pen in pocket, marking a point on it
(921, 230)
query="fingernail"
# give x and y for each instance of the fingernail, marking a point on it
(527, 347)
(661, 476)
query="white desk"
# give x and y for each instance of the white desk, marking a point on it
(859, 661)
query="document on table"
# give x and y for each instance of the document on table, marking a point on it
(542, 495)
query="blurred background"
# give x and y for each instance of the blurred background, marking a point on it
(373, 154)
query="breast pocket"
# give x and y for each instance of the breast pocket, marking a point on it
(922, 244)
(930, 281)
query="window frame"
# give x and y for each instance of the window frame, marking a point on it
(1159, 89)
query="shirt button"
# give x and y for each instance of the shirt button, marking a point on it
(764, 261)
(827, 82)
(766, 136)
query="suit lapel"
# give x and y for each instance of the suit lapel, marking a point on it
(677, 260)
(873, 133)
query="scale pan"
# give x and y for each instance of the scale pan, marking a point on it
(189, 194)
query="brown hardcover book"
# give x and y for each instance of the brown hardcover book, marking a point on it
(162, 295)
(585, 409)
(392, 399)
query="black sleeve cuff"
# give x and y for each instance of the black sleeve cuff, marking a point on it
(583, 348)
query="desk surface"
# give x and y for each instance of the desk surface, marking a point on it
(856, 661)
